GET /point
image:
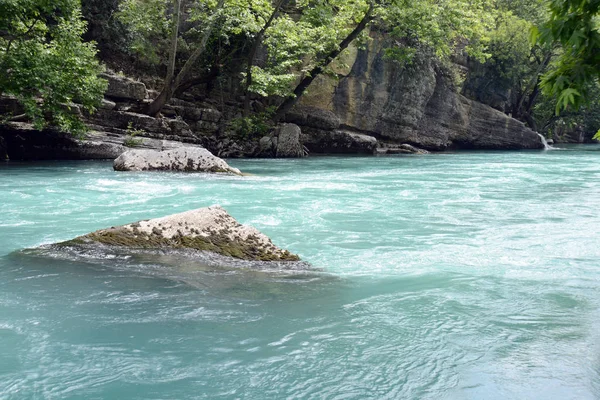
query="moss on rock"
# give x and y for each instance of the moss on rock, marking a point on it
(222, 239)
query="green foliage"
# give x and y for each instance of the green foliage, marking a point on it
(46, 65)
(441, 25)
(296, 43)
(575, 26)
(585, 119)
(149, 27)
(252, 127)
(131, 140)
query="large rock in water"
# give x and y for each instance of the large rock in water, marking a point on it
(184, 159)
(209, 229)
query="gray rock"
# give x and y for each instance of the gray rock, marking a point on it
(414, 104)
(211, 115)
(181, 103)
(389, 148)
(179, 127)
(313, 117)
(24, 142)
(124, 120)
(209, 229)
(108, 105)
(192, 113)
(338, 142)
(120, 87)
(184, 159)
(288, 141)
(205, 127)
(266, 148)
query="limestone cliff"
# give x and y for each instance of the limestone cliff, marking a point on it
(415, 105)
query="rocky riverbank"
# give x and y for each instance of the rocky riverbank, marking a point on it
(375, 108)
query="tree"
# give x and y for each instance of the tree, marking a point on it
(510, 78)
(324, 61)
(257, 42)
(45, 63)
(173, 82)
(297, 39)
(575, 26)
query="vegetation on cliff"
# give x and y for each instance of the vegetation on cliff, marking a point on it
(536, 62)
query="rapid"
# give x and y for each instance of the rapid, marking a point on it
(464, 275)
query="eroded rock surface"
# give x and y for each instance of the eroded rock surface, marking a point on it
(338, 141)
(121, 87)
(288, 141)
(209, 229)
(184, 159)
(414, 104)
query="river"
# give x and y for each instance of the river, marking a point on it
(470, 275)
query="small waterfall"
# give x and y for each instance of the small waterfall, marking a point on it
(544, 142)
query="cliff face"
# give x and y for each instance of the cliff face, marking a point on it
(415, 105)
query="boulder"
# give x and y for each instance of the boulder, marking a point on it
(209, 229)
(123, 88)
(184, 159)
(288, 141)
(338, 142)
(266, 147)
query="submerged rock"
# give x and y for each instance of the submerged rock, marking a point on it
(184, 159)
(405, 148)
(210, 230)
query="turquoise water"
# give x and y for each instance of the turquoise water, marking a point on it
(450, 276)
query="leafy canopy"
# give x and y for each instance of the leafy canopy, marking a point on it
(306, 31)
(575, 26)
(45, 64)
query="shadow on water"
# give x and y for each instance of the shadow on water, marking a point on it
(216, 275)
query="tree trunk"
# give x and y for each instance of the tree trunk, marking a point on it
(171, 86)
(198, 80)
(252, 55)
(291, 101)
(533, 85)
(164, 96)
